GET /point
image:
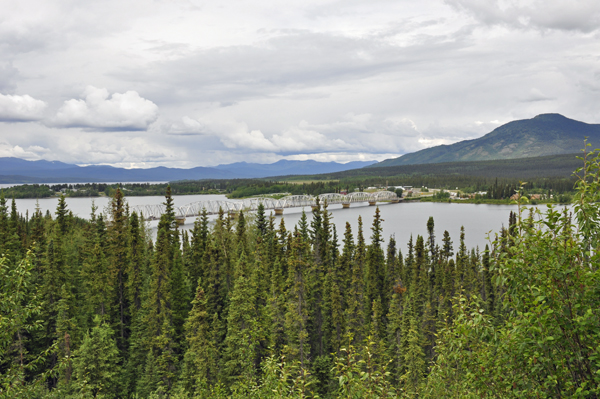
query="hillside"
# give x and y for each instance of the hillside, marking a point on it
(553, 166)
(545, 134)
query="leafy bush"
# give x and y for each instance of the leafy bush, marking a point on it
(545, 340)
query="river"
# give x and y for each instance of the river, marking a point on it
(400, 220)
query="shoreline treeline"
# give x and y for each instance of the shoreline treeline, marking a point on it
(241, 188)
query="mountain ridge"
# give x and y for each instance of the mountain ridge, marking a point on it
(16, 170)
(544, 134)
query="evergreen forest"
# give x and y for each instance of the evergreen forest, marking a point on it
(244, 307)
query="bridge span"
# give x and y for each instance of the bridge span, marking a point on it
(154, 212)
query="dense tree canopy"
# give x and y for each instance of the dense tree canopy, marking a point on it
(243, 307)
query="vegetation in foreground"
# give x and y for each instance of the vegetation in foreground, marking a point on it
(240, 309)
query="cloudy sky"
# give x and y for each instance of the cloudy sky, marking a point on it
(183, 83)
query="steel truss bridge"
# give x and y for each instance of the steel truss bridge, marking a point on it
(154, 212)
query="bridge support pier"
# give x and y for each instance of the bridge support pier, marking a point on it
(372, 203)
(344, 206)
(278, 211)
(314, 207)
(395, 201)
(179, 219)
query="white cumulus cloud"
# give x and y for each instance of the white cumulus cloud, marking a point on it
(25, 108)
(102, 111)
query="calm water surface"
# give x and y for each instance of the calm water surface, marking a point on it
(400, 220)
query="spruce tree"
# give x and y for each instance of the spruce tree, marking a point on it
(419, 285)
(14, 242)
(38, 243)
(488, 288)
(346, 261)
(199, 364)
(54, 277)
(462, 257)
(303, 226)
(377, 335)
(407, 275)
(277, 308)
(4, 227)
(98, 283)
(179, 293)
(242, 331)
(62, 216)
(355, 313)
(296, 317)
(414, 360)
(10, 244)
(161, 363)
(96, 363)
(431, 237)
(447, 250)
(433, 258)
(337, 324)
(136, 272)
(261, 220)
(317, 294)
(392, 272)
(395, 348)
(200, 238)
(242, 244)
(375, 287)
(118, 264)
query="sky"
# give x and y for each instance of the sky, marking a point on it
(184, 83)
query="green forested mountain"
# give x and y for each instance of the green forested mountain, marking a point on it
(242, 308)
(545, 134)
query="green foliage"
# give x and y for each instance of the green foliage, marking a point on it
(547, 345)
(20, 308)
(28, 191)
(545, 173)
(96, 369)
(441, 195)
(94, 308)
(358, 377)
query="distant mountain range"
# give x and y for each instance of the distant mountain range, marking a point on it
(15, 170)
(543, 135)
(546, 134)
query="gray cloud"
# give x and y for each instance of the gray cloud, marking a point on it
(292, 59)
(353, 133)
(577, 15)
(536, 95)
(327, 80)
(8, 77)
